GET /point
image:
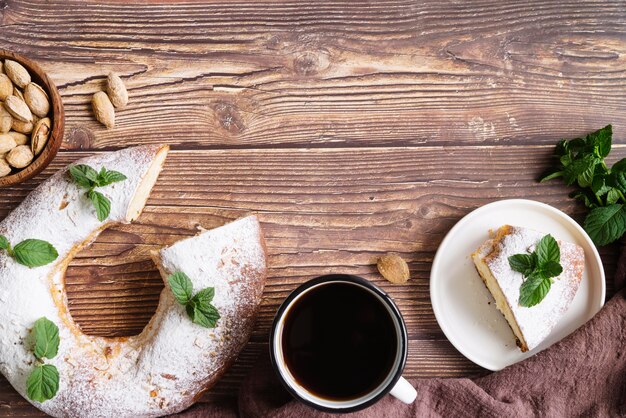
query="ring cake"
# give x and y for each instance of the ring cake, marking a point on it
(164, 369)
(531, 325)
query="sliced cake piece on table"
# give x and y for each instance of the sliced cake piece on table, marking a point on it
(530, 324)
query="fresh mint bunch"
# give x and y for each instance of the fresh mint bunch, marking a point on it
(88, 178)
(538, 267)
(43, 382)
(30, 252)
(600, 188)
(198, 307)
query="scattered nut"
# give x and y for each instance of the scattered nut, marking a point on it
(6, 120)
(7, 143)
(6, 87)
(20, 139)
(18, 109)
(103, 109)
(22, 127)
(5, 169)
(17, 73)
(116, 90)
(41, 133)
(37, 99)
(393, 268)
(20, 156)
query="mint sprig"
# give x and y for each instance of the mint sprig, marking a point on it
(88, 178)
(198, 307)
(538, 267)
(600, 188)
(30, 252)
(43, 382)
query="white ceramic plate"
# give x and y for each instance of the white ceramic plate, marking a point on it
(460, 300)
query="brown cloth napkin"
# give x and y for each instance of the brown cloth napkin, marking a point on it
(582, 375)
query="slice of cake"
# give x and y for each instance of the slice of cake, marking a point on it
(531, 325)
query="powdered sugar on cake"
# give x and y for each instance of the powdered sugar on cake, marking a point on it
(535, 322)
(160, 371)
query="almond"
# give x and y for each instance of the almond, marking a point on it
(22, 127)
(6, 120)
(6, 87)
(5, 169)
(393, 268)
(117, 91)
(41, 133)
(20, 156)
(18, 109)
(7, 143)
(17, 73)
(37, 99)
(103, 109)
(20, 139)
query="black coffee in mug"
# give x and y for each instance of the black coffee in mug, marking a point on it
(339, 341)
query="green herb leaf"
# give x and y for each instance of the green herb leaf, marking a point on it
(181, 287)
(4, 243)
(619, 166)
(547, 250)
(106, 177)
(533, 290)
(46, 338)
(101, 203)
(612, 196)
(606, 224)
(43, 383)
(204, 315)
(523, 263)
(580, 171)
(34, 253)
(551, 269)
(601, 141)
(84, 175)
(205, 296)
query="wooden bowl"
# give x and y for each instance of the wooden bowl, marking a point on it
(57, 117)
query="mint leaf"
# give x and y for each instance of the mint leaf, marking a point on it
(83, 175)
(101, 203)
(43, 383)
(4, 243)
(551, 269)
(580, 171)
(547, 250)
(205, 296)
(106, 177)
(619, 166)
(601, 141)
(204, 315)
(34, 253)
(606, 224)
(612, 196)
(46, 338)
(533, 290)
(523, 263)
(181, 287)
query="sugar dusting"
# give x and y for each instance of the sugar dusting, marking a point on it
(535, 322)
(159, 371)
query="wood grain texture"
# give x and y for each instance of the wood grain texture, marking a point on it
(351, 128)
(269, 74)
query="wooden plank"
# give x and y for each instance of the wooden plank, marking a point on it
(322, 211)
(267, 74)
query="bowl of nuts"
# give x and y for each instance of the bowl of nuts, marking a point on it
(31, 119)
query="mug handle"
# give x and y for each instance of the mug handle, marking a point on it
(404, 391)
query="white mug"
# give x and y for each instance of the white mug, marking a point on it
(393, 383)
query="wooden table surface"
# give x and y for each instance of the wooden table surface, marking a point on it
(351, 129)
